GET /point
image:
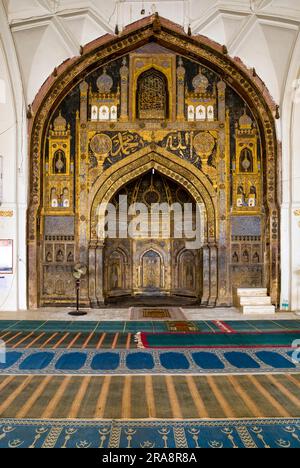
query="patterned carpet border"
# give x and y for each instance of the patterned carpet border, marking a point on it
(257, 433)
(154, 362)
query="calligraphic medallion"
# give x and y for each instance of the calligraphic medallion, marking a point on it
(204, 143)
(101, 144)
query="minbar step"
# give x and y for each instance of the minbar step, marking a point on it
(252, 292)
(254, 301)
(258, 310)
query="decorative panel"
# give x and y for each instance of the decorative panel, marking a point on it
(160, 128)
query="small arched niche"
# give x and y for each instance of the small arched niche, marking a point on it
(59, 163)
(151, 268)
(246, 160)
(152, 96)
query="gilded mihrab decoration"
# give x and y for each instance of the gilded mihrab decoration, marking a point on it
(161, 122)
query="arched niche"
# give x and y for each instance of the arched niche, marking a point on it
(116, 271)
(152, 96)
(59, 163)
(199, 49)
(187, 263)
(117, 180)
(246, 160)
(152, 271)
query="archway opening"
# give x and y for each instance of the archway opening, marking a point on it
(157, 257)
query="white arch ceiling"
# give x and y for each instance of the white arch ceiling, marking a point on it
(263, 33)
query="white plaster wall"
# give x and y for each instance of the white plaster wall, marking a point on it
(13, 150)
(295, 207)
(290, 227)
(8, 227)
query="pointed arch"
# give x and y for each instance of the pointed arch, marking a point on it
(168, 165)
(199, 49)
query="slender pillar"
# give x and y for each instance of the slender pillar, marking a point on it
(213, 275)
(124, 73)
(221, 101)
(100, 273)
(206, 276)
(84, 87)
(224, 296)
(180, 91)
(92, 274)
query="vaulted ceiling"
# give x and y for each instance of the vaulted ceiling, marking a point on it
(263, 33)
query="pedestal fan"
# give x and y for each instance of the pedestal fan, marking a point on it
(79, 272)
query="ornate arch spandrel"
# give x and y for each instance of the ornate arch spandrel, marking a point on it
(157, 155)
(195, 182)
(197, 48)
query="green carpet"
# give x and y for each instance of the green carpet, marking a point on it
(198, 340)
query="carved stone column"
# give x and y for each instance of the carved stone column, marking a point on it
(82, 203)
(206, 275)
(223, 296)
(92, 274)
(33, 292)
(221, 101)
(180, 91)
(213, 275)
(124, 73)
(100, 273)
(84, 87)
(275, 259)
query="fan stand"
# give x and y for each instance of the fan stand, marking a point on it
(77, 312)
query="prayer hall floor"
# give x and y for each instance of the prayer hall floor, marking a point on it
(147, 397)
(195, 407)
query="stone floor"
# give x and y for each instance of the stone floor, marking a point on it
(124, 314)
